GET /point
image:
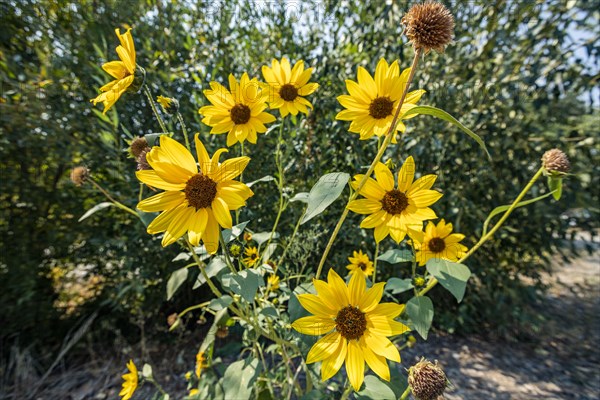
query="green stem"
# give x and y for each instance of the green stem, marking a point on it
(227, 259)
(157, 385)
(112, 200)
(202, 270)
(347, 392)
(185, 133)
(389, 135)
(291, 240)
(154, 109)
(375, 261)
(405, 394)
(279, 182)
(489, 235)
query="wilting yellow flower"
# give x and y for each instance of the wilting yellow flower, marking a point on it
(393, 210)
(200, 363)
(372, 102)
(130, 382)
(356, 327)
(123, 71)
(360, 263)
(252, 256)
(196, 201)
(288, 86)
(240, 112)
(168, 104)
(273, 282)
(438, 242)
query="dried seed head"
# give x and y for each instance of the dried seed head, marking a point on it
(427, 380)
(142, 163)
(222, 332)
(138, 145)
(429, 25)
(555, 161)
(79, 175)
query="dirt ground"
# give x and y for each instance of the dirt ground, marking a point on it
(564, 364)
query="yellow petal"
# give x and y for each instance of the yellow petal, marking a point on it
(356, 288)
(327, 296)
(376, 362)
(202, 154)
(425, 198)
(313, 325)
(372, 297)
(381, 232)
(384, 177)
(314, 305)
(338, 287)
(211, 233)
(178, 154)
(423, 183)
(378, 218)
(231, 168)
(382, 346)
(178, 226)
(406, 175)
(385, 326)
(390, 310)
(197, 226)
(116, 69)
(355, 365)
(151, 178)
(221, 212)
(307, 89)
(371, 188)
(364, 206)
(365, 80)
(162, 201)
(324, 348)
(332, 365)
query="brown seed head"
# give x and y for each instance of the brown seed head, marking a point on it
(138, 145)
(142, 162)
(79, 175)
(427, 380)
(556, 161)
(429, 25)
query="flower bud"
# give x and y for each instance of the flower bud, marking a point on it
(556, 162)
(235, 250)
(79, 175)
(168, 104)
(222, 332)
(429, 25)
(139, 77)
(418, 281)
(427, 380)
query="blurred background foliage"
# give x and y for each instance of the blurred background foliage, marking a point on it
(522, 74)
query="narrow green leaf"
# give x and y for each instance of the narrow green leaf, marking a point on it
(212, 332)
(555, 185)
(396, 285)
(302, 196)
(420, 311)
(327, 189)
(441, 114)
(97, 207)
(395, 256)
(267, 178)
(262, 237)
(453, 276)
(175, 281)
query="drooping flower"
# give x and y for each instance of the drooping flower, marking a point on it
(373, 101)
(168, 104)
(393, 210)
(239, 111)
(359, 262)
(126, 73)
(195, 200)
(130, 383)
(438, 241)
(288, 85)
(200, 363)
(251, 256)
(79, 175)
(355, 324)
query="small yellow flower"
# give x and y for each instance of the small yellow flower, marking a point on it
(168, 104)
(393, 210)
(252, 256)
(130, 382)
(273, 282)
(360, 263)
(372, 101)
(200, 363)
(188, 376)
(288, 85)
(239, 111)
(123, 71)
(355, 326)
(194, 392)
(196, 201)
(438, 241)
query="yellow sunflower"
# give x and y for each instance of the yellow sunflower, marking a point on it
(359, 262)
(287, 86)
(252, 256)
(438, 241)
(355, 326)
(393, 210)
(200, 363)
(273, 282)
(196, 201)
(240, 112)
(130, 381)
(372, 102)
(123, 71)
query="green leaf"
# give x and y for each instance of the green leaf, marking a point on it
(234, 232)
(327, 189)
(220, 303)
(302, 196)
(152, 138)
(396, 285)
(245, 283)
(295, 309)
(441, 114)
(262, 237)
(97, 207)
(147, 371)
(376, 388)
(555, 186)
(212, 332)
(420, 311)
(175, 281)
(239, 378)
(501, 209)
(216, 265)
(395, 256)
(147, 218)
(267, 178)
(453, 276)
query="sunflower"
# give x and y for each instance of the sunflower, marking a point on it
(240, 112)
(273, 282)
(438, 241)
(372, 102)
(355, 326)
(288, 86)
(394, 210)
(196, 201)
(360, 262)
(130, 381)
(123, 71)
(200, 363)
(251, 258)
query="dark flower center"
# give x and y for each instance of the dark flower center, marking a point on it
(240, 114)
(200, 191)
(288, 92)
(381, 107)
(253, 256)
(394, 202)
(351, 322)
(362, 266)
(436, 245)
